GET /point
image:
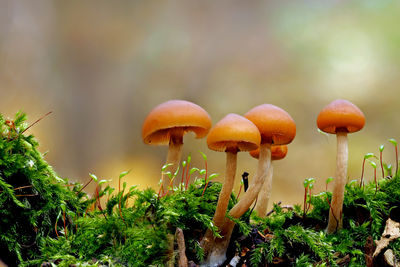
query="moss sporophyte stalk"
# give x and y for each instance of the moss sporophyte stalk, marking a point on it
(47, 220)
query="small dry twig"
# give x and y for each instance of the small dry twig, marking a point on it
(288, 207)
(391, 232)
(272, 211)
(390, 258)
(180, 240)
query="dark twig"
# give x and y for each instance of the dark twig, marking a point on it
(22, 187)
(272, 211)
(80, 190)
(245, 179)
(27, 128)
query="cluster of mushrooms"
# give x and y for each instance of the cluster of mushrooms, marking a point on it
(264, 131)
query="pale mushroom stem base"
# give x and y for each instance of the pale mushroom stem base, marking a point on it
(335, 213)
(223, 200)
(265, 194)
(220, 245)
(174, 158)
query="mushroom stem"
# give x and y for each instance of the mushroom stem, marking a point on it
(173, 157)
(335, 213)
(208, 241)
(217, 255)
(265, 193)
(227, 187)
(247, 199)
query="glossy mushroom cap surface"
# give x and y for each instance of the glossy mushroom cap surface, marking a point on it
(277, 152)
(174, 117)
(275, 124)
(234, 132)
(340, 115)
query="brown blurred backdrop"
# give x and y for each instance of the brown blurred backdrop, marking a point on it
(101, 66)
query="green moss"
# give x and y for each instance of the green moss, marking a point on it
(132, 227)
(31, 194)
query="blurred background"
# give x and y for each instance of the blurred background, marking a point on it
(101, 66)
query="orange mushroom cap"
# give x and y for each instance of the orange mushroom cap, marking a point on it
(277, 152)
(276, 125)
(340, 115)
(174, 117)
(234, 132)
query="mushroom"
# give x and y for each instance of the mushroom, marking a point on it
(277, 153)
(231, 135)
(277, 128)
(339, 117)
(168, 122)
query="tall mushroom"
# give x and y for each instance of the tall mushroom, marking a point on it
(277, 128)
(231, 135)
(277, 153)
(168, 122)
(339, 117)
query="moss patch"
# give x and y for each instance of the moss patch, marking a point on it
(44, 219)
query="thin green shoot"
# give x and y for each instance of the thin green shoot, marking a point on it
(381, 148)
(366, 156)
(394, 143)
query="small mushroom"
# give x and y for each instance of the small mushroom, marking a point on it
(277, 153)
(339, 117)
(168, 122)
(232, 134)
(277, 128)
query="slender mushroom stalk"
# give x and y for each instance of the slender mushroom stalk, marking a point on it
(265, 193)
(175, 150)
(221, 244)
(217, 254)
(173, 157)
(167, 123)
(335, 213)
(232, 134)
(264, 163)
(339, 117)
(277, 153)
(227, 187)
